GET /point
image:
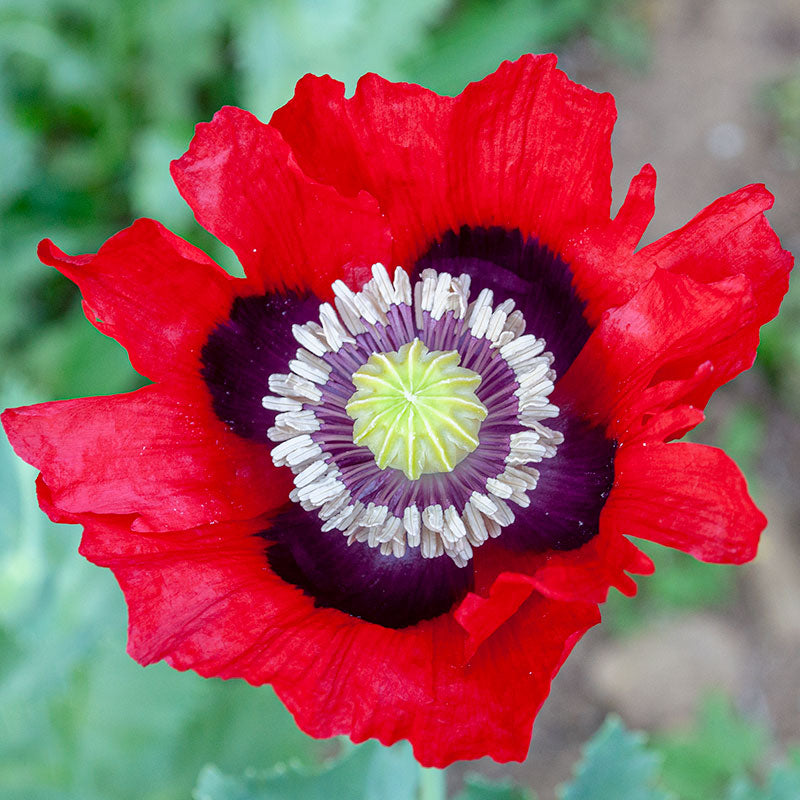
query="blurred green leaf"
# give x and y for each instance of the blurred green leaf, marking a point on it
(743, 434)
(277, 43)
(782, 100)
(78, 360)
(783, 783)
(616, 765)
(478, 34)
(366, 772)
(476, 787)
(698, 764)
(779, 351)
(680, 582)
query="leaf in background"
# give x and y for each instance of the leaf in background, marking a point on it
(743, 436)
(277, 43)
(679, 582)
(722, 745)
(367, 772)
(476, 787)
(153, 192)
(779, 351)
(783, 783)
(17, 147)
(78, 360)
(479, 34)
(616, 765)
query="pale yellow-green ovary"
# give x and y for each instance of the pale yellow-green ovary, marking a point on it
(416, 409)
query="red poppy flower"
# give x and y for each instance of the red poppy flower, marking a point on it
(402, 509)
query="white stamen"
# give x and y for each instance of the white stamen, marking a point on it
(398, 548)
(310, 474)
(280, 403)
(380, 279)
(347, 308)
(309, 371)
(402, 286)
(295, 387)
(453, 526)
(483, 503)
(332, 328)
(296, 452)
(475, 524)
(496, 322)
(315, 361)
(499, 488)
(502, 340)
(334, 505)
(504, 516)
(433, 517)
(367, 308)
(319, 484)
(419, 319)
(312, 337)
(484, 300)
(480, 321)
(293, 423)
(412, 525)
(525, 446)
(374, 515)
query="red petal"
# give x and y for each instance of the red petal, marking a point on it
(606, 274)
(646, 354)
(582, 575)
(244, 186)
(730, 237)
(156, 294)
(524, 148)
(389, 139)
(205, 600)
(674, 423)
(481, 616)
(530, 149)
(588, 573)
(687, 496)
(159, 453)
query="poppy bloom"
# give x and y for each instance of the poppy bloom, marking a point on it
(392, 471)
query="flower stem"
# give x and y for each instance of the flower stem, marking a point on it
(432, 784)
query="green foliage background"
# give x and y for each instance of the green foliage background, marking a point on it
(96, 97)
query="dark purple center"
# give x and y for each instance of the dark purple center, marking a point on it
(256, 341)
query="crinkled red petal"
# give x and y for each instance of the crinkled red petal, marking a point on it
(158, 453)
(605, 272)
(588, 573)
(530, 149)
(289, 231)
(628, 370)
(582, 575)
(483, 616)
(156, 294)
(205, 600)
(730, 237)
(389, 139)
(524, 148)
(687, 496)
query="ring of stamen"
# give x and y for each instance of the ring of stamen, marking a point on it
(439, 511)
